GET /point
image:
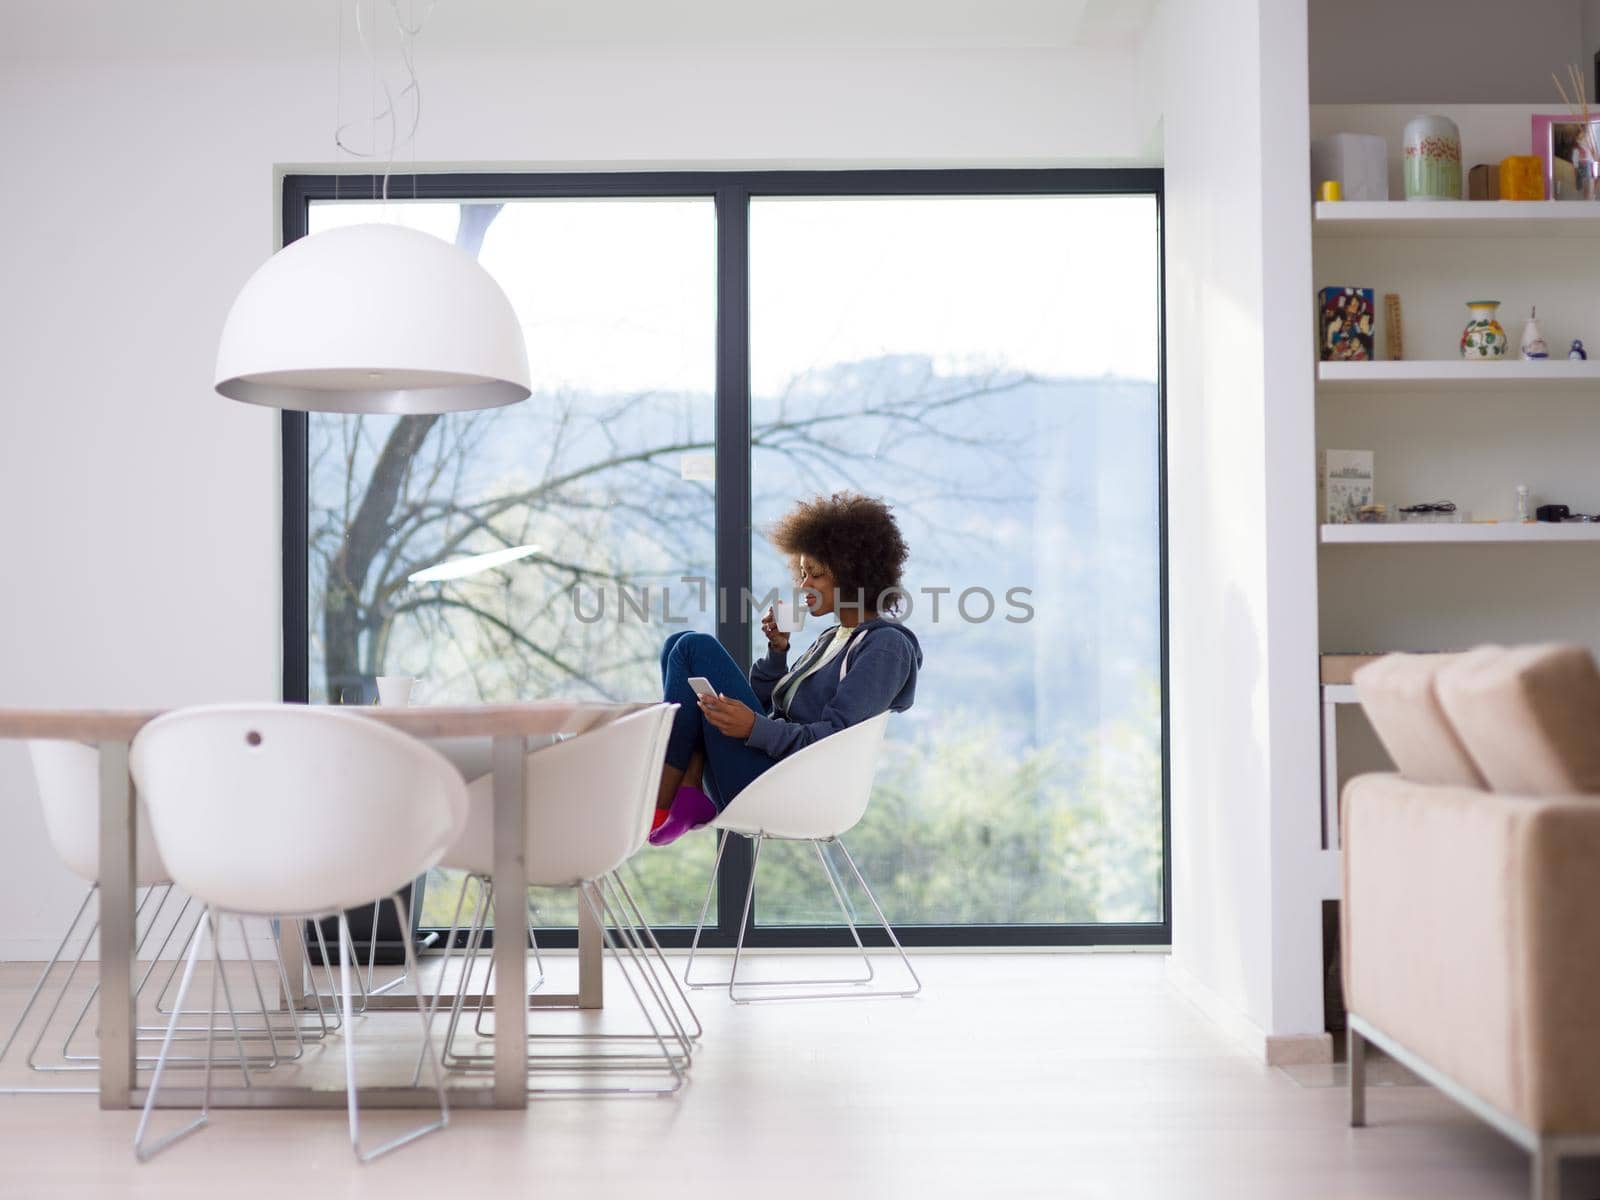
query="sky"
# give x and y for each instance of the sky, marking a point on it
(620, 295)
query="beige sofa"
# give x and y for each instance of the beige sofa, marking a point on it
(1471, 914)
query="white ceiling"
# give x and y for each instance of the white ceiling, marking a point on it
(296, 28)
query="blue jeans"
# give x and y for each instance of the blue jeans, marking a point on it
(731, 766)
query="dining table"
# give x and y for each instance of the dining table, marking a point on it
(510, 732)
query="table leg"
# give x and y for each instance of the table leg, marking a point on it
(591, 965)
(510, 924)
(117, 850)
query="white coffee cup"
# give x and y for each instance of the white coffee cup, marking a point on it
(789, 616)
(395, 690)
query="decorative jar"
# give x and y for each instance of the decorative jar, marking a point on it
(1432, 149)
(1522, 177)
(1484, 336)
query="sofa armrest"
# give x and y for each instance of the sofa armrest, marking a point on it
(1471, 935)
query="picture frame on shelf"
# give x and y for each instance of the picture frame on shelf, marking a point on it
(1345, 324)
(1570, 162)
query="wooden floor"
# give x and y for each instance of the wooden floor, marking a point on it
(1074, 1075)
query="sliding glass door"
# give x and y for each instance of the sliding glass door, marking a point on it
(981, 350)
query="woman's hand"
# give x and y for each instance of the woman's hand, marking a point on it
(732, 717)
(775, 640)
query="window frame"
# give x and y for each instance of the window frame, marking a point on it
(732, 192)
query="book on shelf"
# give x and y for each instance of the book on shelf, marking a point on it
(1344, 478)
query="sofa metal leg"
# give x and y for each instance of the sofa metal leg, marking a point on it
(1546, 1167)
(1357, 1054)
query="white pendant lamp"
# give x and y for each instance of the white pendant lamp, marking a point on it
(372, 319)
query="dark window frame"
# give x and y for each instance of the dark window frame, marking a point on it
(732, 192)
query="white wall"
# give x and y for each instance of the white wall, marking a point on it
(1245, 829)
(141, 542)
(1471, 51)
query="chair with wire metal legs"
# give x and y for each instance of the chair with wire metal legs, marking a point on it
(673, 1044)
(69, 1061)
(589, 802)
(67, 777)
(145, 1150)
(614, 908)
(386, 805)
(815, 795)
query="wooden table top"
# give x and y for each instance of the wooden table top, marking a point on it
(468, 720)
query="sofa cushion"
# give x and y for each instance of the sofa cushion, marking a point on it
(1529, 717)
(1397, 693)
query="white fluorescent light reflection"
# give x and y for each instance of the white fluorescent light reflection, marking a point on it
(460, 568)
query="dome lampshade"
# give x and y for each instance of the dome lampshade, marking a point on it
(372, 319)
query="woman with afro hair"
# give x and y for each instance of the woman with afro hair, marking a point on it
(847, 555)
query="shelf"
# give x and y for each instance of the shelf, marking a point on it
(1459, 375)
(1456, 218)
(1397, 533)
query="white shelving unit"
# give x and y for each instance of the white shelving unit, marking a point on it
(1423, 533)
(1437, 255)
(1458, 375)
(1456, 218)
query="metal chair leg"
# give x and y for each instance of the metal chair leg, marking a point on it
(744, 919)
(33, 997)
(352, 1090)
(882, 920)
(372, 988)
(470, 951)
(261, 999)
(534, 984)
(253, 1034)
(639, 917)
(628, 948)
(143, 1033)
(694, 944)
(633, 942)
(444, 967)
(594, 901)
(145, 1152)
(804, 989)
(80, 1062)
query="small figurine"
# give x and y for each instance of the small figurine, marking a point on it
(1577, 350)
(1533, 343)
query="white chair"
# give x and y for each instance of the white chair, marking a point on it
(815, 795)
(589, 803)
(385, 808)
(67, 777)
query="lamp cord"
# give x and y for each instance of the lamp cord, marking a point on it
(406, 29)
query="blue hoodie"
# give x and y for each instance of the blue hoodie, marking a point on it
(879, 668)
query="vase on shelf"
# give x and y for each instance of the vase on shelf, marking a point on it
(1484, 336)
(1432, 151)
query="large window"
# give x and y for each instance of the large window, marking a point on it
(982, 351)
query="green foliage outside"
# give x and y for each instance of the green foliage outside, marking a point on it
(959, 831)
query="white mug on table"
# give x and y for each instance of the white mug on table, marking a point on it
(395, 690)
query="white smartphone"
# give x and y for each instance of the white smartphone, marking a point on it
(701, 685)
